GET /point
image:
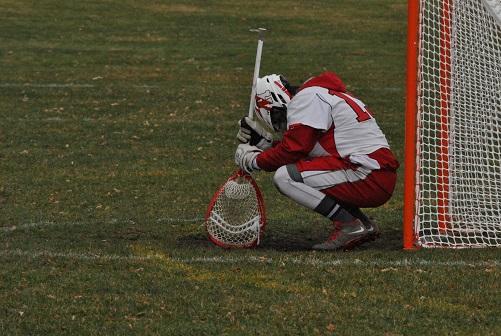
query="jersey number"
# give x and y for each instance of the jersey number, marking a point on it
(363, 114)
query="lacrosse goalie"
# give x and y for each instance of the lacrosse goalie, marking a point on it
(332, 157)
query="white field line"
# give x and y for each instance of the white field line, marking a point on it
(43, 223)
(47, 85)
(48, 223)
(280, 261)
(313, 261)
(174, 220)
(64, 85)
(72, 255)
(146, 86)
(36, 225)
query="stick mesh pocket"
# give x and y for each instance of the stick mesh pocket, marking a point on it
(235, 217)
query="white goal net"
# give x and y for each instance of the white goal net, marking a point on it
(458, 150)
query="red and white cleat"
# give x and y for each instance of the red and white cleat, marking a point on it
(346, 236)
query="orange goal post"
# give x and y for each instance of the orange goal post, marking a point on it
(452, 195)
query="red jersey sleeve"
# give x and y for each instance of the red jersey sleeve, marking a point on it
(296, 143)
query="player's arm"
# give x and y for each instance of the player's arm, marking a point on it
(297, 142)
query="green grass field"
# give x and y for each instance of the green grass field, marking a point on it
(118, 122)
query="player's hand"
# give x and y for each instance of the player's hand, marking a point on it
(252, 133)
(245, 155)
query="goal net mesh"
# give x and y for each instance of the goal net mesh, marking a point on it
(458, 173)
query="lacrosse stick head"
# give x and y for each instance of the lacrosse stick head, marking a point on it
(236, 216)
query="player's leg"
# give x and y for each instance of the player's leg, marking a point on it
(337, 189)
(289, 182)
(348, 232)
(370, 190)
(369, 223)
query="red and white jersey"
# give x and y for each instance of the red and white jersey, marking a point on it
(350, 130)
(324, 120)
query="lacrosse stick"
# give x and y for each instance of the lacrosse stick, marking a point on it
(257, 65)
(236, 216)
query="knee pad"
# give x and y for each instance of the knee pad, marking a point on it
(294, 173)
(281, 178)
(285, 175)
(289, 182)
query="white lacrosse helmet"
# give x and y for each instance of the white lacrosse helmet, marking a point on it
(273, 94)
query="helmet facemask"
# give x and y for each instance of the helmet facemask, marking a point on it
(279, 118)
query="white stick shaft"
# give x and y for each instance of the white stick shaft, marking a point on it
(257, 65)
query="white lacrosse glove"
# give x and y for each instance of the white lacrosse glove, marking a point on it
(252, 133)
(245, 157)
